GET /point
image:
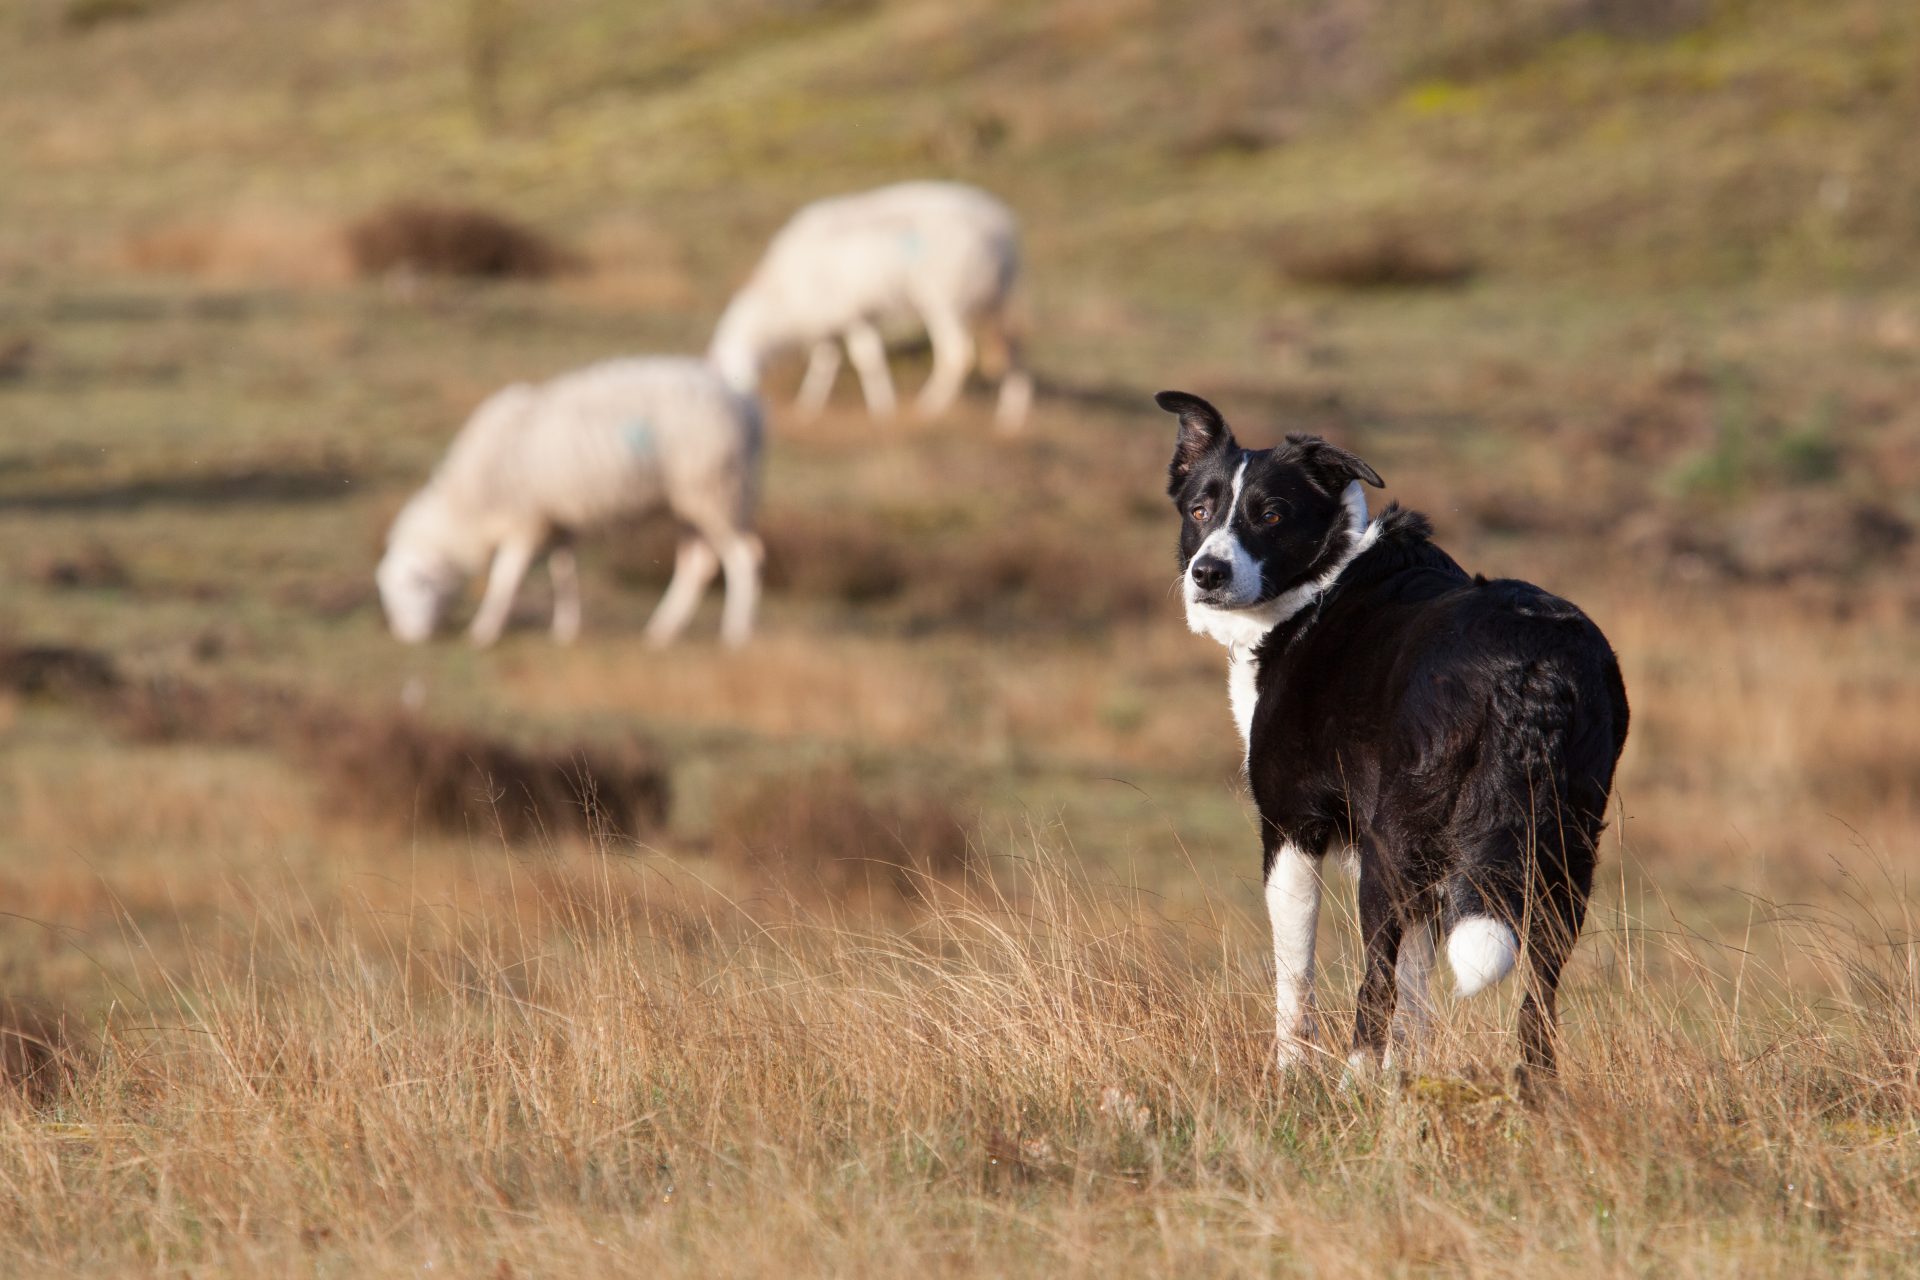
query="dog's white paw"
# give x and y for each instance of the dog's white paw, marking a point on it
(1362, 1072)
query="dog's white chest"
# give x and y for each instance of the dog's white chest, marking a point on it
(1243, 692)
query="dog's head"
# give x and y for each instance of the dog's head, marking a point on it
(1261, 530)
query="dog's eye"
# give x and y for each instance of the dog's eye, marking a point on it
(1270, 516)
(1200, 513)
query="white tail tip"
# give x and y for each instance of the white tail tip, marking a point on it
(1481, 951)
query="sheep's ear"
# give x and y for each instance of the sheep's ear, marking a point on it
(1331, 467)
(1202, 431)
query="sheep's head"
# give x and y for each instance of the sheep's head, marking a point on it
(416, 580)
(740, 348)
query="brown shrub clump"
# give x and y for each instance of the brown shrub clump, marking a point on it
(55, 670)
(92, 567)
(820, 831)
(1392, 256)
(86, 15)
(460, 782)
(37, 1059)
(839, 559)
(17, 356)
(450, 240)
(169, 710)
(391, 769)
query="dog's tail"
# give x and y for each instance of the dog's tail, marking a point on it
(1533, 856)
(1481, 951)
(1528, 874)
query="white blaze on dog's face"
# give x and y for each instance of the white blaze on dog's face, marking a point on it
(1261, 530)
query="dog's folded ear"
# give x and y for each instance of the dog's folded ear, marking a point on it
(1331, 467)
(1202, 430)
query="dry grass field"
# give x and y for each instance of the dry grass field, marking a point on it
(923, 937)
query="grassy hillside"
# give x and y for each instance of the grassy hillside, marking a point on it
(1591, 139)
(923, 936)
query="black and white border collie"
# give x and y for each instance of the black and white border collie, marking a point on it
(1457, 735)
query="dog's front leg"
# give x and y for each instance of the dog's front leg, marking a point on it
(1293, 907)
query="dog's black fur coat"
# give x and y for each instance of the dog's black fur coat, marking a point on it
(1459, 734)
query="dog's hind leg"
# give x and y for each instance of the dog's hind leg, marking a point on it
(1553, 926)
(1381, 926)
(1539, 1012)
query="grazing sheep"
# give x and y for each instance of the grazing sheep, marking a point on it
(937, 256)
(536, 463)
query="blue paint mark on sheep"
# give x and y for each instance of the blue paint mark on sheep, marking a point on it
(638, 434)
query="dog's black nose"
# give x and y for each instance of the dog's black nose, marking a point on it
(1210, 573)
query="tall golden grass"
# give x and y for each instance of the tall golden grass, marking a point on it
(623, 1074)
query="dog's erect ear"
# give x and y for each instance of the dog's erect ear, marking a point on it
(1202, 430)
(1332, 467)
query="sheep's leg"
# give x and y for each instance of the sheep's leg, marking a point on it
(822, 367)
(564, 569)
(740, 555)
(1016, 384)
(693, 567)
(953, 352)
(510, 565)
(996, 348)
(869, 355)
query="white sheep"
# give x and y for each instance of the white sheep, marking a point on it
(938, 256)
(535, 463)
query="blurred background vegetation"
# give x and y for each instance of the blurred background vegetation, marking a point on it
(1622, 291)
(1616, 142)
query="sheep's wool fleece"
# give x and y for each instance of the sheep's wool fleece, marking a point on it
(608, 440)
(885, 255)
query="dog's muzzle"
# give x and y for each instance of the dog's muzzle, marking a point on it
(1210, 574)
